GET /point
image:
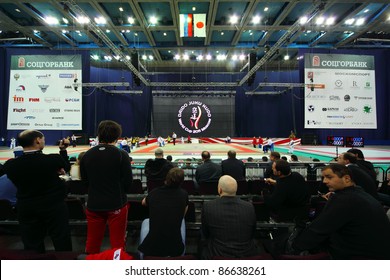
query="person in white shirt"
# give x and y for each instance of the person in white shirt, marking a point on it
(174, 136)
(291, 146)
(13, 143)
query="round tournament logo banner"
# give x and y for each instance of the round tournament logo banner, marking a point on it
(194, 117)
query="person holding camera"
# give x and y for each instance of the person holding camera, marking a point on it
(40, 193)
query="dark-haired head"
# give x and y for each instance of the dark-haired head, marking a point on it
(28, 138)
(205, 155)
(282, 166)
(175, 177)
(109, 131)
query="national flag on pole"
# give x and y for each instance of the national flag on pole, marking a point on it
(199, 25)
(186, 25)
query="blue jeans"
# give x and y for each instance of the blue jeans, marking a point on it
(145, 230)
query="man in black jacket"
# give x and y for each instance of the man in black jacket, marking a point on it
(233, 167)
(290, 197)
(40, 193)
(359, 175)
(158, 168)
(208, 171)
(352, 225)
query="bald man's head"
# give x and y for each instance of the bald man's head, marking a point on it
(227, 186)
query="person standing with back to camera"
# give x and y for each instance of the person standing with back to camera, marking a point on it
(106, 170)
(40, 193)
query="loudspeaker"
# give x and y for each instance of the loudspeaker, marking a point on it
(134, 62)
(251, 63)
(309, 139)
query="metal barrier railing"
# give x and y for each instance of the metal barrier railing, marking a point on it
(256, 171)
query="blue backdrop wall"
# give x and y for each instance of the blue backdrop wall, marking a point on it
(256, 115)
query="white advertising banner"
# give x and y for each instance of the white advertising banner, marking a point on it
(45, 92)
(340, 91)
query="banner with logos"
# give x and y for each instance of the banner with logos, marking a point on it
(340, 91)
(45, 92)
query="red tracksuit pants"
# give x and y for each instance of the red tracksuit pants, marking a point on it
(96, 226)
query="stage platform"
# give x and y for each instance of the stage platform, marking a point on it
(379, 155)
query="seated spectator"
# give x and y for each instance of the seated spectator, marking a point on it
(362, 163)
(228, 223)
(208, 171)
(233, 167)
(274, 156)
(294, 158)
(264, 159)
(250, 159)
(75, 168)
(290, 190)
(283, 158)
(169, 158)
(353, 224)
(163, 234)
(18, 151)
(125, 145)
(359, 175)
(7, 190)
(187, 164)
(157, 169)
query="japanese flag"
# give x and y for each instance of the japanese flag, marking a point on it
(199, 25)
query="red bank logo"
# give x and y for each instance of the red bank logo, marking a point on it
(21, 88)
(33, 100)
(21, 62)
(316, 60)
(18, 99)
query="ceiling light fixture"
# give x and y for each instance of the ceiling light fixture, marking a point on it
(130, 20)
(100, 20)
(360, 21)
(82, 20)
(320, 20)
(256, 19)
(51, 20)
(350, 21)
(330, 21)
(233, 19)
(303, 20)
(153, 20)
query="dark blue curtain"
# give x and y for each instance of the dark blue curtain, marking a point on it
(132, 111)
(256, 115)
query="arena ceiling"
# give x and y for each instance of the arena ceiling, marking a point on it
(116, 29)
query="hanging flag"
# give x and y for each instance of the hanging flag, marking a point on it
(199, 25)
(186, 25)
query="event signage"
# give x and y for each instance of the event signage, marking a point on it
(46, 91)
(194, 117)
(346, 97)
